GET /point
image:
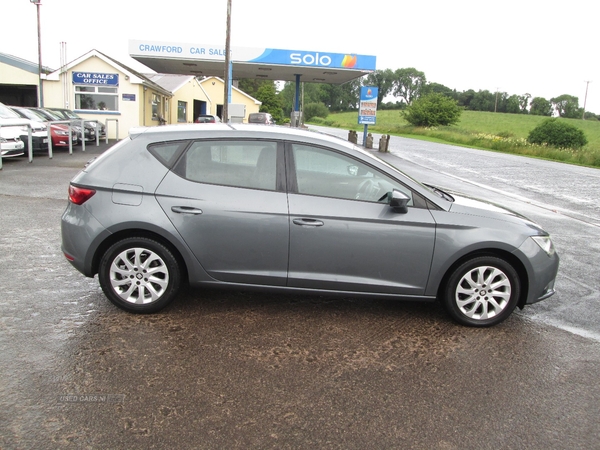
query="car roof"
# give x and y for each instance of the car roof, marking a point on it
(231, 130)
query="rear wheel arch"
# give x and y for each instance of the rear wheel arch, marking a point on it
(138, 233)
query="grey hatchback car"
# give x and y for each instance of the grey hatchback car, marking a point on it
(281, 209)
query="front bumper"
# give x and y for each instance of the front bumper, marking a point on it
(11, 147)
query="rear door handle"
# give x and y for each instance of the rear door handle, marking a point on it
(308, 222)
(186, 210)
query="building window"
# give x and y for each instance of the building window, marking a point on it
(181, 111)
(96, 98)
(156, 108)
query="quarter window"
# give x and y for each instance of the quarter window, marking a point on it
(231, 163)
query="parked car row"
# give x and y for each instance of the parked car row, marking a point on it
(14, 140)
(58, 132)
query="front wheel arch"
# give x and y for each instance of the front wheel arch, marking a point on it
(508, 257)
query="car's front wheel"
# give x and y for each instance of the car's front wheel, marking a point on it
(139, 275)
(482, 292)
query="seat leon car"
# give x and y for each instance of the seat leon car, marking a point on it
(288, 210)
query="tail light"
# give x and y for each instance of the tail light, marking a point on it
(80, 195)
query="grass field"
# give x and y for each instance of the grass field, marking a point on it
(486, 130)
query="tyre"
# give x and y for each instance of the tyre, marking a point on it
(482, 292)
(139, 275)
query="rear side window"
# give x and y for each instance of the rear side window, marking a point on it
(244, 164)
(167, 152)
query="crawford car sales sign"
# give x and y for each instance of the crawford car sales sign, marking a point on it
(95, 78)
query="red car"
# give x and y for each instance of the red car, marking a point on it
(58, 132)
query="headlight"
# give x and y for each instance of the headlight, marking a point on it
(62, 133)
(545, 244)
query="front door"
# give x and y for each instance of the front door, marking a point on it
(344, 237)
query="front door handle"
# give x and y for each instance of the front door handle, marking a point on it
(186, 210)
(308, 222)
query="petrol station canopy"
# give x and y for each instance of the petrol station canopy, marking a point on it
(253, 63)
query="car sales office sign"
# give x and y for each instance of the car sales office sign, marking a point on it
(95, 78)
(367, 110)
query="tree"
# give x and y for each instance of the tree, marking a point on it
(567, 106)
(465, 98)
(309, 92)
(440, 89)
(540, 107)
(513, 105)
(383, 80)
(524, 102)
(557, 133)
(251, 86)
(271, 103)
(483, 101)
(315, 110)
(432, 110)
(342, 97)
(408, 84)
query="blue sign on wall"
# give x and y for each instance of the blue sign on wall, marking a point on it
(367, 110)
(95, 78)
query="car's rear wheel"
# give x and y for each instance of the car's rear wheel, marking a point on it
(139, 275)
(482, 292)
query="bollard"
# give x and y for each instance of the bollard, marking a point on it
(353, 136)
(369, 143)
(382, 143)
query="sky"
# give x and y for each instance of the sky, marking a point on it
(542, 48)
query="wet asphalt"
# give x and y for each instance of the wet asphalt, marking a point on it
(228, 369)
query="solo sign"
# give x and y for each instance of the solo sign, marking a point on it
(95, 78)
(367, 110)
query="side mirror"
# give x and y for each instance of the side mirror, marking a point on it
(398, 200)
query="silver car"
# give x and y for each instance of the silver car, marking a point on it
(289, 210)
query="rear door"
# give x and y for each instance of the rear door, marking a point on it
(227, 200)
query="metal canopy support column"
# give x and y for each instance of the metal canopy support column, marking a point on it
(295, 119)
(297, 103)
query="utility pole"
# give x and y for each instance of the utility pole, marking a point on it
(587, 84)
(496, 103)
(225, 117)
(38, 3)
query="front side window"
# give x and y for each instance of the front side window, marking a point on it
(326, 173)
(96, 98)
(243, 164)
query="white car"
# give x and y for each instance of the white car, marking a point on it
(10, 141)
(39, 133)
